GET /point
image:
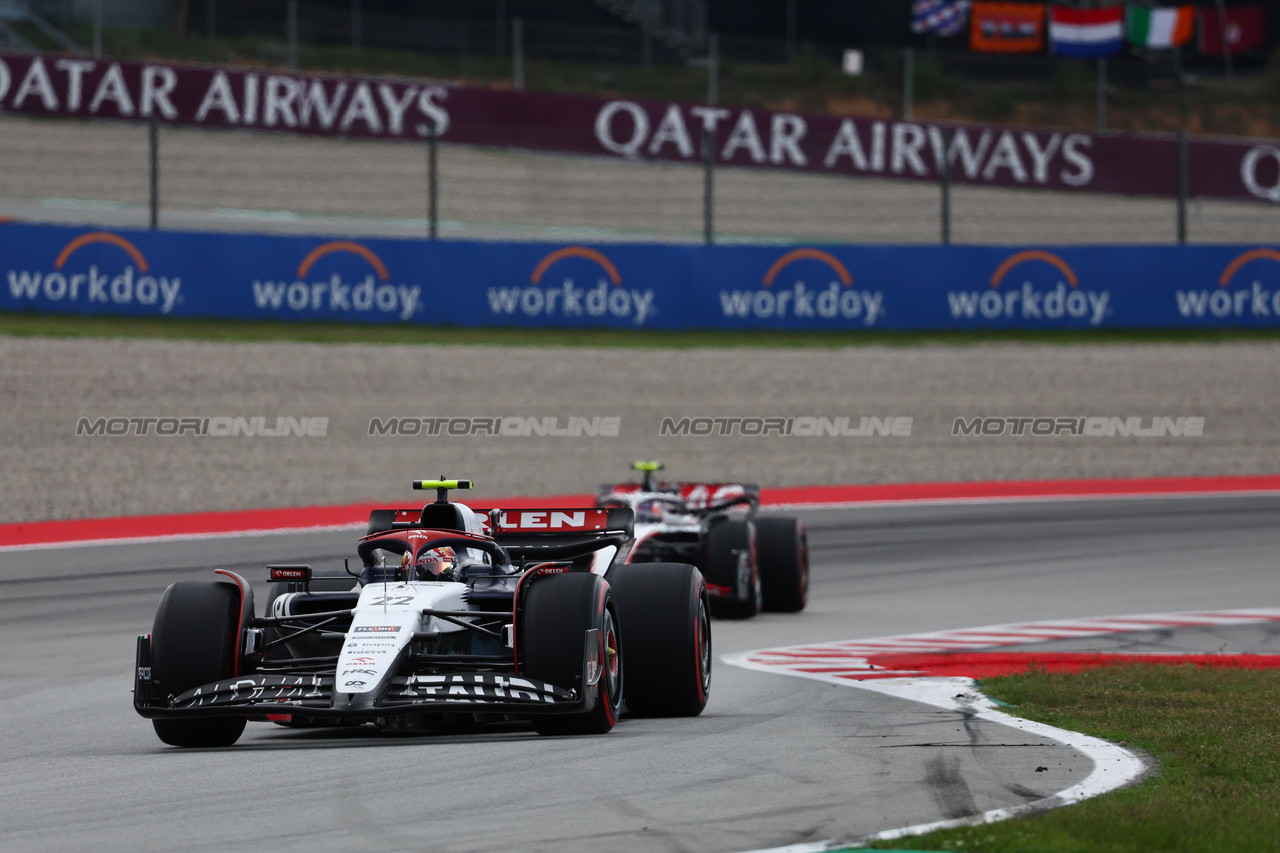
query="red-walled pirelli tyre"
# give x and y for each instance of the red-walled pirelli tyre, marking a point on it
(666, 626)
(558, 612)
(732, 564)
(194, 641)
(783, 551)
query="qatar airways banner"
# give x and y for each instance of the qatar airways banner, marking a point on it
(59, 270)
(411, 110)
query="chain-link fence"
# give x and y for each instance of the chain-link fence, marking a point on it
(100, 173)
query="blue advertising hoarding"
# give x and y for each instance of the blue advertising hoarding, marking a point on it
(54, 269)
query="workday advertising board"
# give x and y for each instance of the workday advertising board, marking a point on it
(59, 270)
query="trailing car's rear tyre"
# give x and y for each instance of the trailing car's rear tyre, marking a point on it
(558, 612)
(667, 629)
(783, 551)
(194, 641)
(731, 565)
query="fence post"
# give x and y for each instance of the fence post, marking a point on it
(1184, 181)
(791, 31)
(433, 185)
(646, 36)
(154, 140)
(97, 29)
(357, 29)
(713, 68)
(944, 173)
(1102, 93)
(293, 35)
(708, 184)
(517, 54)
(500, 28)
(908, 82)
(1222, 34)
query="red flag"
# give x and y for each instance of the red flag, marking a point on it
(1006, 27)
(1245, 29)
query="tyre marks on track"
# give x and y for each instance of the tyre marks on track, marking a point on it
(909, 667)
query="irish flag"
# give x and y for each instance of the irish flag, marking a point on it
(1086, 32)
(1160, 27)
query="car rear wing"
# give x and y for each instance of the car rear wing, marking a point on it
(697, 497)
(388, 519)
(553, 533)
(557, 533)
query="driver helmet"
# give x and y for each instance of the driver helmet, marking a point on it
(436, 564)
(650, 510)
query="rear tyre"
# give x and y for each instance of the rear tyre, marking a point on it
(784, 563)
(731, 564)
(194, 641)
(667, 628)
(558, 612)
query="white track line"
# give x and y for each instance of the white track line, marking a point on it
(846, 664)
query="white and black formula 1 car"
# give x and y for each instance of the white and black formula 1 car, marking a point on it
(751, 562)
(457, 616)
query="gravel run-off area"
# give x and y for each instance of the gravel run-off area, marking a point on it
(49, 384)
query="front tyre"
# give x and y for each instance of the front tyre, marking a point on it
(784, 563)
(195, 641)
(732, 565)
(558, 612)
(667, 628)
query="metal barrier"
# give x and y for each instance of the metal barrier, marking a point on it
(116, 174)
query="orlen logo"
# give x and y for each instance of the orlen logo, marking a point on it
(793, 296)
(1064, 299)
(75, 281)
(1224, 301)
(375, 293)
(607, 298)
(543, 520)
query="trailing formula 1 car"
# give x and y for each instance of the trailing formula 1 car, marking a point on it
(751, 562)
(456, 615)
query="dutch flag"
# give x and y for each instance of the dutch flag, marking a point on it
(1086, 32)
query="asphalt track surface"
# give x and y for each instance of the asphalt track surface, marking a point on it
(773, 760)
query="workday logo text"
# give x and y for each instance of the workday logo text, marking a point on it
(98, 277)
(805, 284)
(369, 292)
(575, 298)
(1050, 291)
(1239, 295)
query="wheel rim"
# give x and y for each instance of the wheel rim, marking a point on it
(613, 660)
(804, 569)
(704, 646)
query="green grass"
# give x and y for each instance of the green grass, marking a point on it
(48, 325)
(1215, 734)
